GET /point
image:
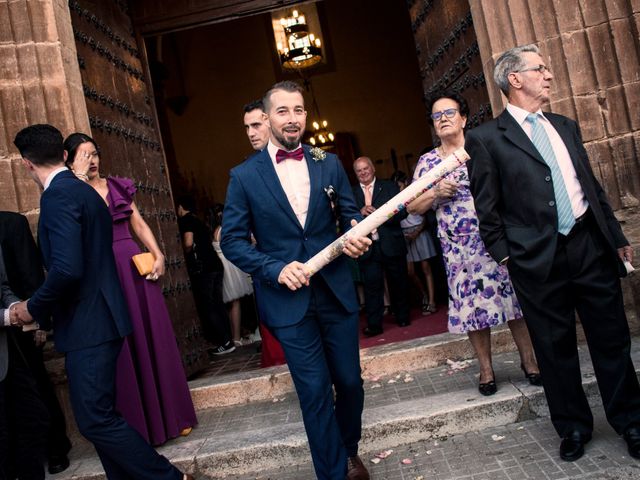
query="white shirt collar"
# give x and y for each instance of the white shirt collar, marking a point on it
(520, 114)
(272, 149)
(52, 175)
(373, 183)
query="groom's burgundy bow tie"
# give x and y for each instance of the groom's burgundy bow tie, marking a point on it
(297, 154)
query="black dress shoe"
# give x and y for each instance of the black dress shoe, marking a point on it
(572, 445)
(58, 463)
(534, 378)
(372, 331)
(632, 437)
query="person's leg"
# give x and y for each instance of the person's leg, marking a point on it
(123, 452)
(481, 343)
(411, 271)
(398, 281)
(522, 339)
(431, 291)
(548, 309)
(305, 354)
(235, 315)
(600, 306)
(340, 339)
(27, 415)
(373, 284)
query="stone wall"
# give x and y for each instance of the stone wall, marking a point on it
(593, 50)
(39, 83)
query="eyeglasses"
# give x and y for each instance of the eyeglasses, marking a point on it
(538, 68)
(449, 113)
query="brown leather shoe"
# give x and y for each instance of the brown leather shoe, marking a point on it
(356, 469)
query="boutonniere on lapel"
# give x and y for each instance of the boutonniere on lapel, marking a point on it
(318, 155)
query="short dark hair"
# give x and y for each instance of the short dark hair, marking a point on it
(286, 85)
(40, 144)
(187, 202)
(73, 141)
(463, 106)
(255, 105)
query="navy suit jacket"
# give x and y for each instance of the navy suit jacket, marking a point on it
(391, 238)
(512, 190)
(81, 292)
(256, 204)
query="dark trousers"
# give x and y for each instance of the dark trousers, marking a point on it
(58, 443)
(322, 352)
(583, 278)
(124, 453)
(373, 268)
(207, 293)
(24, 420)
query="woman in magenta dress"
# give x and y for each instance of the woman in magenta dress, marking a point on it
(151, 387)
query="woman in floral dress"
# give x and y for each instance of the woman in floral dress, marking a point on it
(480, 292)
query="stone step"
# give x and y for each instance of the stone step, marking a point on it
(408, 356)
(399, 408)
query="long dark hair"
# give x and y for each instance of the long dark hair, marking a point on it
(73, 141)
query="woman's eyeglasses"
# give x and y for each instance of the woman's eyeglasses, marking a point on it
(449, 113)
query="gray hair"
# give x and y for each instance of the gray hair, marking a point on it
(510, 61)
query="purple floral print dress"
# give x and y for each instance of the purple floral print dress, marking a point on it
(480, 291)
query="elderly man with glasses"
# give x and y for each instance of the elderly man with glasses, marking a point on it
(543, 213)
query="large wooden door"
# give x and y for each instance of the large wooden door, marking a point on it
(448, 53)
(123, 121)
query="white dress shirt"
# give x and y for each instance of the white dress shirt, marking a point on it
(579, 202)
(50, 177)
(294, 178)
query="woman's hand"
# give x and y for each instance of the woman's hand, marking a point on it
(81, 164)
(158, 268)
(446, 188)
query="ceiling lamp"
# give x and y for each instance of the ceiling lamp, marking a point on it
(298, 48)
(321, 136)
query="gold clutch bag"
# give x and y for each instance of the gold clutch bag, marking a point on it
(144, 263)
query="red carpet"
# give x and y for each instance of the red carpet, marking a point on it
(421, 326)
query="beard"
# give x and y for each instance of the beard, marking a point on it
(287, 144)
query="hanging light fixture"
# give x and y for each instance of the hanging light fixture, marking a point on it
(298, 48)
(321, 136)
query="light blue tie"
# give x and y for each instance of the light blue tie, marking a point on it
(541, 141)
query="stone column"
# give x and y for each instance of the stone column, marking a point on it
(39, 83)
(593, 50)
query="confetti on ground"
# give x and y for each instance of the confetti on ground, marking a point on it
(384, 454)
(398, 377)
(375, 460)
(435, 444)
(376, 385)
(497, 438)
(509, 361)
(429, 452)
(375, 379)
(392, 381)
(461, 365)
(407, 461)
(419, 478)
(520, 428)
(408, 379)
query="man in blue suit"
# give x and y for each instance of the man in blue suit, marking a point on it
(82, 295)
(278, 194)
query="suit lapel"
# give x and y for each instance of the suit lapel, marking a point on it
(271, 181)
(514, 133)
(377, 188)
(315, 183)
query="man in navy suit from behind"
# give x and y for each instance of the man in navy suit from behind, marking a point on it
(278, 194)
(83, 297)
